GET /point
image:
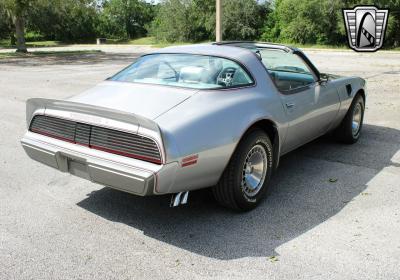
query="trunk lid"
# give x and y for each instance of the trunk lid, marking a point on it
(147, 100)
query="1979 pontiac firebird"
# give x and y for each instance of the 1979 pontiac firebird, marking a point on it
(190, 117)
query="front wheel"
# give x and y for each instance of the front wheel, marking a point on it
(350, 129)
(245, 180)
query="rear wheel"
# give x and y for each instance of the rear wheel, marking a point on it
(350, 129)
(245, 180)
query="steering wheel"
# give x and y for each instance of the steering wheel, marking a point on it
(225, 78)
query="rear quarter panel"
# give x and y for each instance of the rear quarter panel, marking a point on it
(211, 124)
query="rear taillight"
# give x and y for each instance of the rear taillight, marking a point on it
(99, 138)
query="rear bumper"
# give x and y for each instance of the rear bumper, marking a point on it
(125, 174)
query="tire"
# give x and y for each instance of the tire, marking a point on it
(345, 132)
(233, 190)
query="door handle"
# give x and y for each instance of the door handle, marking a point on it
(290, 105)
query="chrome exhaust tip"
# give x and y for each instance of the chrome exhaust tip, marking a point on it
(179, 199)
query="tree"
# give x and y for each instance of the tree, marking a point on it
(194, 20)
(125, 18)
(392, 37)
(321, 21)
(6, 24)
(305, 22)
(174, 21)
(18, 11)
(243, 19)
(64, 20)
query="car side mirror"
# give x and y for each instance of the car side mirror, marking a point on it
(323, 78)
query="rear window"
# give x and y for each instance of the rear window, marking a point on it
(186, 70)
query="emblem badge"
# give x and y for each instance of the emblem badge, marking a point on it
(365, 26)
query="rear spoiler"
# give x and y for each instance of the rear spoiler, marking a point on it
(95, 115)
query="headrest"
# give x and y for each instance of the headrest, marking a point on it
(191, 74)
(215, 65)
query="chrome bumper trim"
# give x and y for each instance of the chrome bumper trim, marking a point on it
(125, 174)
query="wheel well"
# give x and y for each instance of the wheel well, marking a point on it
(362, 93)
(270, 128)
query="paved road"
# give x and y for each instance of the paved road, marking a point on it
(55, 226)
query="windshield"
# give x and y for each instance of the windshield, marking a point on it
(185, 70)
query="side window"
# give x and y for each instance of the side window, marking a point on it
(287, 70)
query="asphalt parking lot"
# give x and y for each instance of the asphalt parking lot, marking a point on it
(334, 211)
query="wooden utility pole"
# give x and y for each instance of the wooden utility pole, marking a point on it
(218, 21)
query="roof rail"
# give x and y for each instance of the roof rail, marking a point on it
(256, 43)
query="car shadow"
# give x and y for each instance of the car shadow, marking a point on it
(312, 184)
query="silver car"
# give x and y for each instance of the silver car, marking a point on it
(189, 117)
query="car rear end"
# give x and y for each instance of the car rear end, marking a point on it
(113, 148)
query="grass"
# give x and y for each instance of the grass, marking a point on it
(154, 43)
(44, 44)
(146, 41)
(5, 43)
(318, 46)
(45, 53)
(151, 41)
(336, 47)
(143, 41)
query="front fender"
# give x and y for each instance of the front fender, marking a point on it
(347, 88)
